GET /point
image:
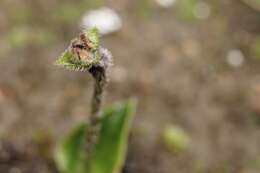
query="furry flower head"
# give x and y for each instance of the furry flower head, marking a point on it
(83, 52)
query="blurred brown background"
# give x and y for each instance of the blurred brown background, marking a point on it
(192, 65)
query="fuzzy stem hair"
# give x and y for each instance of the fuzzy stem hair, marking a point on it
(99, 74)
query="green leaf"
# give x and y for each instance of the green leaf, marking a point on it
(69, 155)
(110, 150)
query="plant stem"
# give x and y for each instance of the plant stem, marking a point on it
(99, 75)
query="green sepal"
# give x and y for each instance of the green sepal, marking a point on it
(70, 62)
(94, 37)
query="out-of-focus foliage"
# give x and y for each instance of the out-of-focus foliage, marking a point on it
(175, 139)
(185, 8)
(144, 8)
(69, 157)
(22, 37)
(70, 13)
(256, 48)
(255, 4)
(110, 151)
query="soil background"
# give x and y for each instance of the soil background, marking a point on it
(199, 73)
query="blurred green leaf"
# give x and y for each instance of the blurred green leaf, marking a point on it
(69, 13)
(185, 9)
(199, 166)
(144, 8)
(22, 37)
(91, 4)
(254, 4)
(175, 139)
(69, 156)
(110, 151)
(42, 37)
(22, 15)
(256, 47)
(19, 37)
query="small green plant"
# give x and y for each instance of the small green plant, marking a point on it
(98, 146)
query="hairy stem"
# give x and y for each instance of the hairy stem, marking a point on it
(99, 75)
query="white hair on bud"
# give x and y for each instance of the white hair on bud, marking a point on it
(106, 58)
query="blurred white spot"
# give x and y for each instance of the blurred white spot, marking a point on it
(202, 10)
(105, 19)
(235, 58)
(166, 3)
(106, 58)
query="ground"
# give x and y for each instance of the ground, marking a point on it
(176, 66)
